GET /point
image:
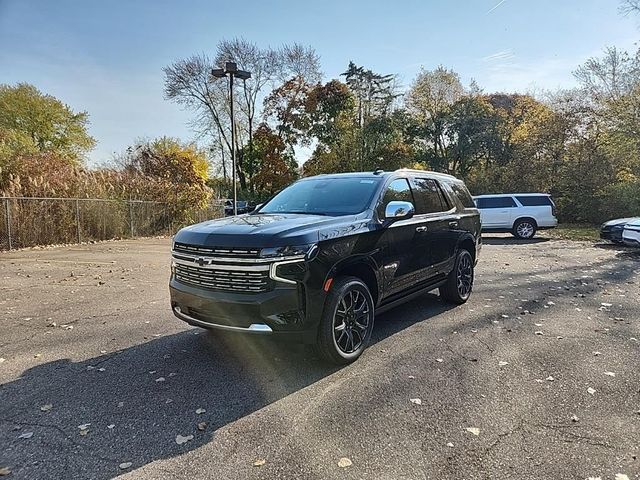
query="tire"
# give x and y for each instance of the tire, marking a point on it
(524, 229)
(344, 345)
(459, 284)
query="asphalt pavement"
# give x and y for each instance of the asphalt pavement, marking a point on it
(537, 376)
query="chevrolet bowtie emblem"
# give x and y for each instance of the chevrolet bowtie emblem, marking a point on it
(201, 261)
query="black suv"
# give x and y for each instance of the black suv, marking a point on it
(317, 260)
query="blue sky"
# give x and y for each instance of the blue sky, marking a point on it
(106, 57)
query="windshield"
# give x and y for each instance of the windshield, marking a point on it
(324, 196)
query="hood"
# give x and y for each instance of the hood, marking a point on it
(263, 230)
(634, 222)
(619, 221)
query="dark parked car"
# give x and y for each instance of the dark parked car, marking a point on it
(241, 207)
(612, 230)
(315, 262)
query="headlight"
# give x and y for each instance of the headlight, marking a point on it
(306, 251)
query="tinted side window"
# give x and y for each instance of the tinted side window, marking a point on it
(398, 190)
(463, 194)
(535, 201)
(496, 202)
(429, 197)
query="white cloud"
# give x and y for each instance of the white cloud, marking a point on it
(502, 55)
(496, 6)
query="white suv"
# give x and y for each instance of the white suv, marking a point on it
(521, 214)
(631, 233)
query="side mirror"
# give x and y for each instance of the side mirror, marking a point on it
(398, 210)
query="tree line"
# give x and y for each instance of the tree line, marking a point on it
(581, 145)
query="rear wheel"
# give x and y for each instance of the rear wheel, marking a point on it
(460, 281)
(524, 228)
(347, 321)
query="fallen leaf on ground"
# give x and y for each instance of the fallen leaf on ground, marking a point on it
(610, 374)
(449, 444)
(439, 360)
(200, 410)
(84, 432)
(26, 435)
(344, 462)
(621, 476)
(2, 360)
(125, 465)
(538, 332)
(4, 471)
(202, 426)
(111, 426)
(591, 391)
(606, 304)
(474, 430)
(180, 439)
(259, 462)
(597, 353)
(84, 426)
(417, 401)
(120, 404)
(160, 379)
(46, 408)
(549, 379)
(574, 418)
(502, 364)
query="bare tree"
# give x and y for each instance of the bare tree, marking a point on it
(189, 83)
(629, 6)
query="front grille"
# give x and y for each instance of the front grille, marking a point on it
(231, 252)
(224, 280)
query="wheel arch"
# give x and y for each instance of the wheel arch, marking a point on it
(362, 268)
(519, 219)
(467, 242)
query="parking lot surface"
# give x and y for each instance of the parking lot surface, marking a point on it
(537, 376)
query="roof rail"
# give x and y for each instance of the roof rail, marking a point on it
(414, 170)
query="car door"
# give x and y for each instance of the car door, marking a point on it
(435, 237)
(399, 269)
(496, 212)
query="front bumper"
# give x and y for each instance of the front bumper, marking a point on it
(611, 234)
(279, 312)
(631, 242)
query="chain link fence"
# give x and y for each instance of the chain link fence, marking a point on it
(31, 221)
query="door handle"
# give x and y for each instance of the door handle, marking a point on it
(453, 224)
(421, 229)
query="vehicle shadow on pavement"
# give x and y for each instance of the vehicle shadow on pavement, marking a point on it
(156, 400)
(510, 240)
(622, 251)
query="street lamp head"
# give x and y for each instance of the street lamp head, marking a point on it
(230, 67)
(218, 72)
(243, 74)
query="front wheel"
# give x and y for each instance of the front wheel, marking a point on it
(460, 281)
(347, 321)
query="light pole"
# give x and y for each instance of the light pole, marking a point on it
(231, 69)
